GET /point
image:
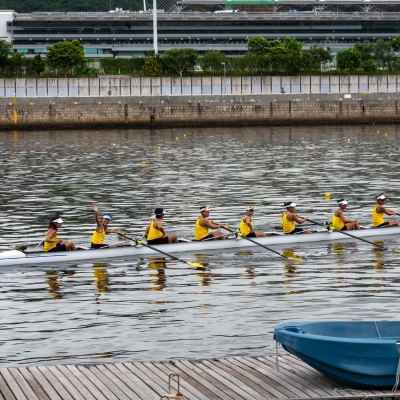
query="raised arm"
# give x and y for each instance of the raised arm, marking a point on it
(96, 215)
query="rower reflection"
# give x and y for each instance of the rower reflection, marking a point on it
(205, 279)
(158, 279)
(100, 278)
(378, 256)
(53, 281)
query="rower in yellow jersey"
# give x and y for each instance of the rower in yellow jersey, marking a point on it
(101, 229)
(377, 213)
(340, 222)
(289, 218)
(155, 231)
(203, 224)
(246, 225)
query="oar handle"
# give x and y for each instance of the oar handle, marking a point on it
(354, 237)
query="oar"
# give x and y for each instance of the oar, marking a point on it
(192, 264)
(266, 247)
(355, 237)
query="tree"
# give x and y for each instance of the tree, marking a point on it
(370, 66)
(213, 59)
(258, 45)
(152, 65)
(314, 58)
(180, 60)
(16, 61)
(37, 64)
(65, 55)
(348, 60)
(383, 54)
(366, 50)
(5, 49)
(395, 44)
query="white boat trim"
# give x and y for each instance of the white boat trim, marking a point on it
(18, 258)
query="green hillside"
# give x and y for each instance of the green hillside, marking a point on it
(26, 6)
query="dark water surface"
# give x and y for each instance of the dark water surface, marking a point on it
(153, 308)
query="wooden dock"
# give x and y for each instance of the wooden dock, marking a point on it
(231, 378)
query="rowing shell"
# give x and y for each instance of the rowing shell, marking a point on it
(15, 257)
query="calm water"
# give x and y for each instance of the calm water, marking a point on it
(153, 308)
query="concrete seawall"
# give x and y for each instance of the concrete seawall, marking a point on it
(223, 110)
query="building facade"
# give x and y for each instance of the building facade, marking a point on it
(127, 34)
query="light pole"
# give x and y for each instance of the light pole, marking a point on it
(333, 39)
(190, 39)
(155, 40)
(224, 77)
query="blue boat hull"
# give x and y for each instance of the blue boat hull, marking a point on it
(362, 354)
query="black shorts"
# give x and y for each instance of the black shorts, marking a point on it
(296, 230)
(158, 241)
(251, 234)
(207, 237)
(344, 228)
(384, 224)
(59, 247)
(97, 246)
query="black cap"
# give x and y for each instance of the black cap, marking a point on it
(159, 212)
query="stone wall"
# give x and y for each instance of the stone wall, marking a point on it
(166, 111)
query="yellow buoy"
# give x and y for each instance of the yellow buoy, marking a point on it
(177, 138)
(377, 131)
(348, 140)
(327, 196)
(184, 135)
(143, 162)
(113, 144)
(158, 148)
(386, 134)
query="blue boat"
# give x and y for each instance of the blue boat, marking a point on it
(363, 354)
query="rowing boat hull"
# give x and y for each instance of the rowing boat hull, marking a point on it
(195, 247)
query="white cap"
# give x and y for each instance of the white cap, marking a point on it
(59, 220)
(381, 197)
(343, 202)
(291, 205)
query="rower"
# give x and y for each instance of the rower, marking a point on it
(246, 225)
(377, 213)
(101, 229)
(289, 218)
(52, 241)
(155, 231)
(340, 222)
(203, 224)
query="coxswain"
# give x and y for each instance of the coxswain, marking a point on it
(203, 224)
(289, 217)
(155, 231)
(246, 225)
(377, 213)
(52, 241)
(101, 229)
(340, 222)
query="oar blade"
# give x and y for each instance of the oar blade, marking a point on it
(397, 250)
(194, 264)
(295, 259)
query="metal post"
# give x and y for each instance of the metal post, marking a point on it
(224, 77)
(155, 40)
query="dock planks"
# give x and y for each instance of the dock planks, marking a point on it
(237, 378)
